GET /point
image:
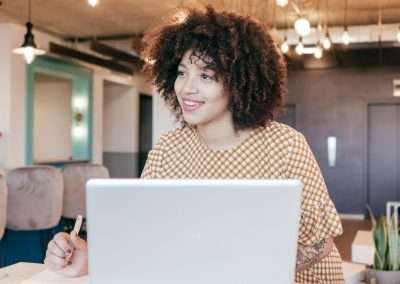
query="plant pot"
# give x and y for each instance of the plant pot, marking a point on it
(383, 276)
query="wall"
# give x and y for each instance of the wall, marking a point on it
(335, 102)
(13, 96)
(52, 119)
(120, 129)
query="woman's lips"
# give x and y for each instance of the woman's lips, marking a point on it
(191, 105)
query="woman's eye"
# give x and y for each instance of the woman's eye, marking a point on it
(180, 73)
(207, 77)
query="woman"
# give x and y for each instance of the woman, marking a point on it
(225, 79)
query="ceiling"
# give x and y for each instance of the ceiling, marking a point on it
(75, 18)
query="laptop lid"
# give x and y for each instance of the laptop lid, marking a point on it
(192, 231)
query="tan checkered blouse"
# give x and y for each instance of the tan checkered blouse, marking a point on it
(274, 151)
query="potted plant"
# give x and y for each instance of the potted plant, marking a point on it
(385, 233)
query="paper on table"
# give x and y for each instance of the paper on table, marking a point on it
(49, 277)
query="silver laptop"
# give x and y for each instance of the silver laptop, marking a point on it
(192, 231)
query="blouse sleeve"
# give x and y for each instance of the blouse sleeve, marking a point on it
(319, 218)
(153, 166)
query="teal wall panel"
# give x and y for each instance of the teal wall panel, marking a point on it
(81, 105)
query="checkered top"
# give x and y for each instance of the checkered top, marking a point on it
(275, 151)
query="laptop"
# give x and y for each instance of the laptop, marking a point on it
(192, 231)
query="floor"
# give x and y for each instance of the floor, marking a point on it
(350, 228)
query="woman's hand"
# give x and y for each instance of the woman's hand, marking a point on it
(67, 255)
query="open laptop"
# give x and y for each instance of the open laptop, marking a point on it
(192, 231)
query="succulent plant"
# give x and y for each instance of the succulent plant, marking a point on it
(385, 233)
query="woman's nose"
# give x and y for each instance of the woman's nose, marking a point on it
(190, 85)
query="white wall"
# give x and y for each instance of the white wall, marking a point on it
(163, 119)
(52, 120)
(120, 118)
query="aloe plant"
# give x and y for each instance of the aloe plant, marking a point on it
(385, 233)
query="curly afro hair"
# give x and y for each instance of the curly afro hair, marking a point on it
(243, 55)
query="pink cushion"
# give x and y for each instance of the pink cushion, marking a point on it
(34, 198)
(3, 203)
(75, 178)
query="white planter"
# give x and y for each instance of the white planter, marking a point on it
(383, 277)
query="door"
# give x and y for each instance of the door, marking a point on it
(145, 129)
(383, 155)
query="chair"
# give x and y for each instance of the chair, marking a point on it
(33, 213)
(75, 178)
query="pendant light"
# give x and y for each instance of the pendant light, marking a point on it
(300, 47)
(326, 40)
(28, 48)
(345, 35)
(302, 26)
(398, 34)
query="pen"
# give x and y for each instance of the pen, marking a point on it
(78, 225)
(77, 228)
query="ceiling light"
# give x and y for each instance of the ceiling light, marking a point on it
(318, 52)
(284, 46)
(93, 2)
(28, 48)
(282, 3)
(180, 16)
(346, 37)
(326, 41)
(300, 47)
(302, 26)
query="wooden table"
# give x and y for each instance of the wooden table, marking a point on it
(14, 274)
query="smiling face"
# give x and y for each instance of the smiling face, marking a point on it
(200, 93)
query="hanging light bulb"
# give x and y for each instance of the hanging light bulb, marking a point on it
(326, 41)
(282, 3)
(284, 46)
(346, 37)
(28, 48)
(318, 52)
(398, 35)
(180, 16)
(302, 26)
(93, 2)
(300, 47)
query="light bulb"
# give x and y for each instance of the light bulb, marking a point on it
(282, 3)
(299, 48)
(318, 52)
(326, 42)
(302, 26)
(29, 54)
(284, 47)
(93, 2)
(346, 37)
(180, 16)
